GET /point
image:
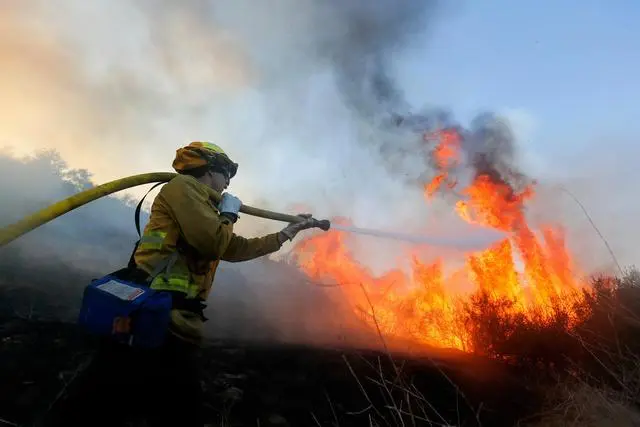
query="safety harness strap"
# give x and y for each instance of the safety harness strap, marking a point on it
(132, 263)
(166, 263)
(179, 288)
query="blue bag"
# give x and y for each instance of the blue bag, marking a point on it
(128, 312)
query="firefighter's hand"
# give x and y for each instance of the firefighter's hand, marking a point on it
(230, 206)
(291, 230)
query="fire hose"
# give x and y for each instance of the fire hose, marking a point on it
(17, 229)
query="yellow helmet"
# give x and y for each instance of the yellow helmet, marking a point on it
(198, 154)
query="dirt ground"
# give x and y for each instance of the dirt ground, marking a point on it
(250, 384)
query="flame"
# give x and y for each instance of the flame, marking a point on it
(446, 158)
(527, 274)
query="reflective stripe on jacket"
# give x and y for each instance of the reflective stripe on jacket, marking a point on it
(186, 223)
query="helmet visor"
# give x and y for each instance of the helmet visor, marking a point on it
(223, 165)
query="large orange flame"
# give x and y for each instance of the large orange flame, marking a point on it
(531, 271)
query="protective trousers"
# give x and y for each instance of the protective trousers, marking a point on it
(122, 384)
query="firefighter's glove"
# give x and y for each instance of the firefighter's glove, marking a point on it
(291, 230)
(230, 206)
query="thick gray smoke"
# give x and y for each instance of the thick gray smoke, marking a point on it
(368, 34)
(363, 63)
(302, 93)
(359, 42)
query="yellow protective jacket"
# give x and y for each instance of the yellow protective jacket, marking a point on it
(186, 226)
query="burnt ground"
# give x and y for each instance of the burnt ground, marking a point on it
(259, 384)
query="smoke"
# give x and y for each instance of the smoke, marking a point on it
(302, 93)
(116, 89)
(43, 273)
(368, 35)
(591, 192)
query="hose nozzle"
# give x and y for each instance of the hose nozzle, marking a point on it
(323, 224)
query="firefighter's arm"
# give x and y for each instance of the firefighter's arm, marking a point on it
(201, 226)
(245, 249)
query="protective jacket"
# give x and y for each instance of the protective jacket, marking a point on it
(186, 237)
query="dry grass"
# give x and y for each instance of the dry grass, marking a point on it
(590, 373)
(405, 405)
(598, 378)
(586, 406)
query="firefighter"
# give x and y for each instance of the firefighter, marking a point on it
(182, 245)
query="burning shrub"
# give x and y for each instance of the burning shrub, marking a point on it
(528, 304)
(601, 352)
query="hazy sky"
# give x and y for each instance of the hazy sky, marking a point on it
(568, 66)
(116, 87)
(566, 69)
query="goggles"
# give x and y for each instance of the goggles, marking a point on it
(222, 165)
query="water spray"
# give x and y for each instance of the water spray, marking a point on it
(478, 243)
